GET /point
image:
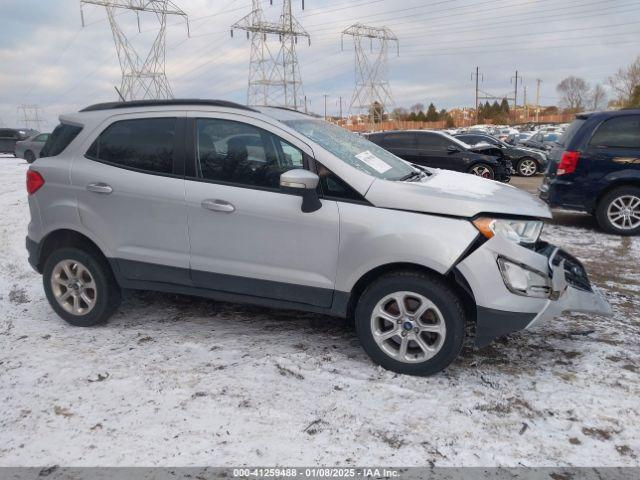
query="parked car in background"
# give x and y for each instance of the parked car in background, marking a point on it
(277, 208)
(526, 161)
(29, 148)
(9, 137)
(440, 150)
(595, 168)
(541, 140)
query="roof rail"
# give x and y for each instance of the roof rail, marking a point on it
(160, 103)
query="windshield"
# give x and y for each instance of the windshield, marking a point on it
(353, 149)
(456, 140)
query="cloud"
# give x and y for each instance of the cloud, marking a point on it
(49, 60)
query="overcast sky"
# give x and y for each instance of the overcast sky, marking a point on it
(48, 59)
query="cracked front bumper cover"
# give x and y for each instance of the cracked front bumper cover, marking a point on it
(500, 311)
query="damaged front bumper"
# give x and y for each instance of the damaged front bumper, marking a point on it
(563, 286)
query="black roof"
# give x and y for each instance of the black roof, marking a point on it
(171, 102)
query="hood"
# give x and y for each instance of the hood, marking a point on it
(456, 194)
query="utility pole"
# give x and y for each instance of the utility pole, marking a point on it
(538, 82)
(325, 105)
(477, 76)
(524, 103)
(340, 108)
(515, 97)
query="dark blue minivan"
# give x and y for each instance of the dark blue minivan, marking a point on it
(595, 167)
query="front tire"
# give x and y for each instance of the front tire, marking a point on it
(527, 167)
(619, 211)
(483, 170)
(80, 287)
(411, 323)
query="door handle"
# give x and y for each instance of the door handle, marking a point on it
(99, 188)
(218, 205)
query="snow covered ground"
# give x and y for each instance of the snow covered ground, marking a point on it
(174, 380)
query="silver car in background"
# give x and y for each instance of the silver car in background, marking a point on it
(30, 148)
(277, 208)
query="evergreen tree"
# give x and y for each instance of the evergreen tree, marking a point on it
(432, 113)
(504, 106)
(442, 115)
(421, 117)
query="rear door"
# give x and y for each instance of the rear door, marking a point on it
(434, 153)
(401, 144)
(131, 195)
(614, 147)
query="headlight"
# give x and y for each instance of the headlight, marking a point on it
(519, 231)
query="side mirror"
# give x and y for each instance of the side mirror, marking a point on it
(452, 149)
(305, 183)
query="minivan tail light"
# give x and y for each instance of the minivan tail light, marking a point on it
(568, 162)
(34, 181)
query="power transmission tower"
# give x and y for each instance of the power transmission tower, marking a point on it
(29, 116)
(273, 79)
(141, 78)
(372, 74)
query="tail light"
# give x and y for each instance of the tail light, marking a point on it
(568, 162)
(34, 181)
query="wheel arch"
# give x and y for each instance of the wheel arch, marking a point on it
(65, 237)
(454, 279)
(630, 181)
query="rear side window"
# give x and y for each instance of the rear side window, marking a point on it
(432, 141)
(144, 144)
(619, 132)
(59, 139)
(399, 140)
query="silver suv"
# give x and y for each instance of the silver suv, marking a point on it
(277, 208)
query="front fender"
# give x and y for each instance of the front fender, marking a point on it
(371, 237)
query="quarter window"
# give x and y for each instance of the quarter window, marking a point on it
(620, 132)
(239, 153)
(143, 144)
(59, 139)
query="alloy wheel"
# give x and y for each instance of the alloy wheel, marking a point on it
(408, 327)
(73, 287)
(527, 167)
(624, 212)
(482, 171)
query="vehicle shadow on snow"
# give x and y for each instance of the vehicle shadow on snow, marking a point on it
(566, 218)
(276, 331)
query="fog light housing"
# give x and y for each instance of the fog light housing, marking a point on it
(525, 281)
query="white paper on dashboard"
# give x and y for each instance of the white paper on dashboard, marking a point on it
(374, 162)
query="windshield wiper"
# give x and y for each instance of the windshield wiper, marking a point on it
(414, 175)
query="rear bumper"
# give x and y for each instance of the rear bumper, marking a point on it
(562, 194)
(33, 249)
(501, 311)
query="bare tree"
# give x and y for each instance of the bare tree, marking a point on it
(598, 100)
(574, 93)
(417, 107)
(399, 113)
(624, 81)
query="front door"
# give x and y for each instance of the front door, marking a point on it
(247, 236)
(130, 194)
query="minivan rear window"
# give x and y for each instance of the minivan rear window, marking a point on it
(59, 139)
(570, 132)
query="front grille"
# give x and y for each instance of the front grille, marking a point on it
(574, 271)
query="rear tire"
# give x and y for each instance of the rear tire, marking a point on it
(619, 211)
(29, 156)
(80, 287)
(483, 170)
(527, 167)
(424, 339)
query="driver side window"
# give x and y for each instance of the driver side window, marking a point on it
(238, 153)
